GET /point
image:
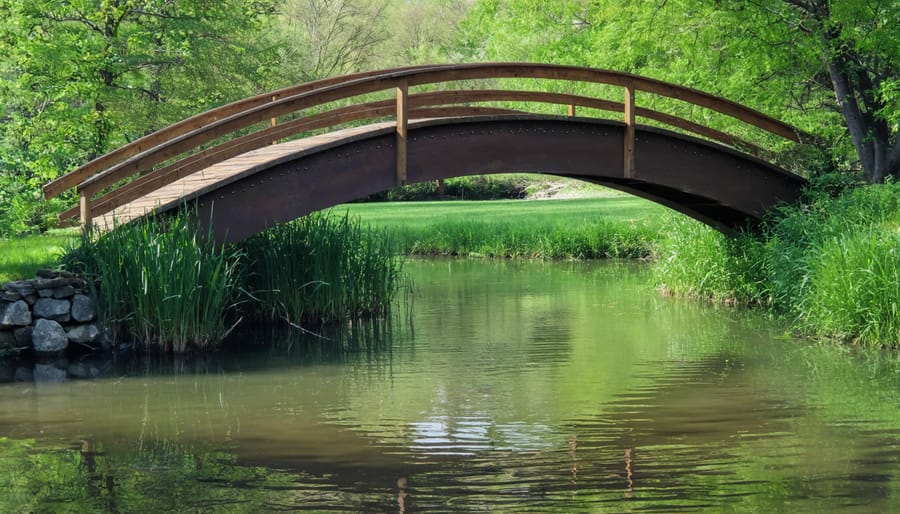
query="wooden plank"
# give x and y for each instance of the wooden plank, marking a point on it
(402, 116)
(628, 155)
(571, 110)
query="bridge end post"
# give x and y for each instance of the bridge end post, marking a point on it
(402, 125)
(84, 205)
(628, 154)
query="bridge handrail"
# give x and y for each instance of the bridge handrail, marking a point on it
(145, 143)
(421, 104)
(186, 135)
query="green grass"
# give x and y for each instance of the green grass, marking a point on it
(322, 268)
(611, 226)
(21, 257)
(828, 265)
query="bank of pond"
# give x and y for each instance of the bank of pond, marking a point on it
(828, 265)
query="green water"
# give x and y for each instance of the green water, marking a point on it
(509, 387)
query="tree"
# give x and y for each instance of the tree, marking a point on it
(80, 77)
(324, 38)
(774, 55)
(860, 48)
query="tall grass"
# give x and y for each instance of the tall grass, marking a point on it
(323, 268)
(161, 282)
(829, 264)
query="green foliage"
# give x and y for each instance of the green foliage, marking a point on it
(167, 285)
(828, 264)
(323, 268)
(768, 55)
(79, 79)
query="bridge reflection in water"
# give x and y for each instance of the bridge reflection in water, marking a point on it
(249, 181)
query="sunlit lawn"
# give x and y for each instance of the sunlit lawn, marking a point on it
(21, 257)
(624, 209)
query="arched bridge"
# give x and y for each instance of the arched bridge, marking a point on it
(274, 157)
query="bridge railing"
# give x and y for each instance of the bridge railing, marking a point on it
(141, 156)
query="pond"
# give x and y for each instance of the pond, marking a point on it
(498, 386)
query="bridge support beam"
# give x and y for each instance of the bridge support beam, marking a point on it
(84, 204)
(402, 128)
(629, 132)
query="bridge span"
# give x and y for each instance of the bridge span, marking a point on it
(265, 160)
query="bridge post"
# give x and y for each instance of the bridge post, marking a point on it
(274, 121)
(572, 110)
(628, 155)
(85, 209)
(402, 125)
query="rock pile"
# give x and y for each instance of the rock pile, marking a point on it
(47, 313)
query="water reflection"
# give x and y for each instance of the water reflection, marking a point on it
(508, 387)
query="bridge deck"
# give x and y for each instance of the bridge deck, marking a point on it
(225, 172)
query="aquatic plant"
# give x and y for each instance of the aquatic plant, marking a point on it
(162, 282)
(322, 268)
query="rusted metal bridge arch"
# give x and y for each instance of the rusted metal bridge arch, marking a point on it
(228, 161)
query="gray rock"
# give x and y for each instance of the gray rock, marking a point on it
(48, 336)
(7, 338)
(50, 273)
(10, 296)
(30, 299)
(64, 292)
(16, 314)
(83, 308)
(23, 336)
(21, 287)
(24, 375)
(49, 308)
(83, 370)
(53, 283)
(49, 374)
(83, 334)
(45, 293)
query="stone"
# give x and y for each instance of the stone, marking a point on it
(48, 336)
(10, 296)
(49, 308)
(83, 334)
(23, 336)
(22, 287)
(7, 338)
(45, 293)
(51, 273)
(30, 299)
(53, 283)
(49, 374)
(64, 292)
(16, 314)
(23, 375)
(83, 309)
(83, 370)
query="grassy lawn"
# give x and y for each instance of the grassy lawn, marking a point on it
(579, 228)
(22, 257)
(624, 209)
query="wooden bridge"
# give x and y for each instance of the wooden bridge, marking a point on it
(229, 161)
